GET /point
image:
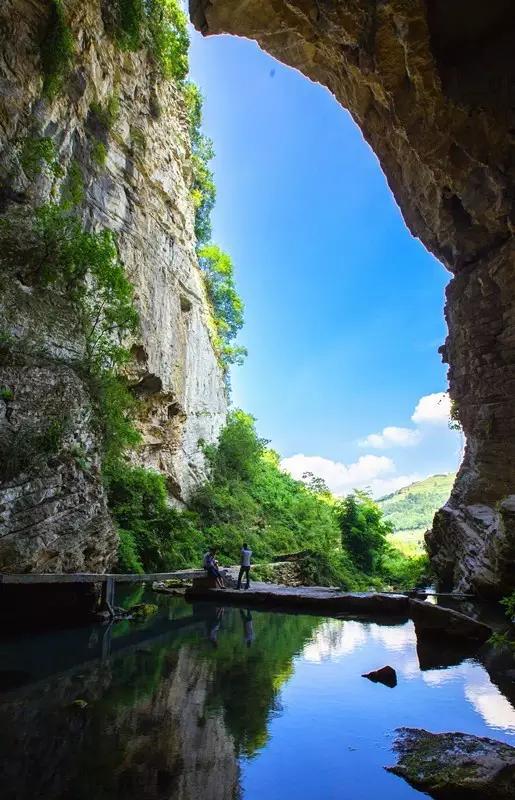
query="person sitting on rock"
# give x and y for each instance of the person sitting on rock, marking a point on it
(211, 567)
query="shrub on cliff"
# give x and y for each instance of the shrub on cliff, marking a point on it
(56, 50)
(153, 536)
(159, 25)
(226, 304)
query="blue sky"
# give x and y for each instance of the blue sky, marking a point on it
(344, 308)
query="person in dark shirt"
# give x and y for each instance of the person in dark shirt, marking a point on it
(211, 566)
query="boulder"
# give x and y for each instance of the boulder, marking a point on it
(385, 675)
(204, 582)
(452, 766)
(433, 619)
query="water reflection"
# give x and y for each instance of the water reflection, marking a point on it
(207, 703)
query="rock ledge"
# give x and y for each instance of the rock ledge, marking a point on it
(451, 766)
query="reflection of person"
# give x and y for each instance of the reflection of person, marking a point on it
(248, 627)
(211, 566)
(214, 627)
(245, 555)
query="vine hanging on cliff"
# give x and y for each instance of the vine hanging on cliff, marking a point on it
(56, 50)
(203, 189)
(226, 304)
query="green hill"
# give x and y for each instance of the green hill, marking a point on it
(411, 509)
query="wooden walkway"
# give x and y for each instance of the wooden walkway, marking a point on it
(96, 577)
(107, 582)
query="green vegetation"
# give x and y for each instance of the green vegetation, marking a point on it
(138, 140)
(410, 510)
(56, 50)
(154, 536)
(363, 531)
(99, 153)
(509, 605)
(367, 537)
(57, 252)
(63, 254)
(217, 266)
(506, 640)
(203, 190)
(37, 154)
(72, 193)
(249, 498)
(159, 25)
(6, 393)
(107, 114)
(30, 448)
(226, 305)
(454, 421)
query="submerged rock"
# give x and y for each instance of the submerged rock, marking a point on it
(143, 610)
(451, 766)
(385, 675)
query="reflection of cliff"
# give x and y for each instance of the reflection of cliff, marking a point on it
(247, 680)
(144, 734)
(166, 718)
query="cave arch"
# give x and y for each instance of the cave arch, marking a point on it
(431, 86)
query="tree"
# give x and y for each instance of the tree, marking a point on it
(363, 530)
(316, 484)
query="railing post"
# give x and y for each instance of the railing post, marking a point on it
(107, 596)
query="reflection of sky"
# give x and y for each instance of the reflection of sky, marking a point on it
(333, 640)
(334, 734)
(479, 691)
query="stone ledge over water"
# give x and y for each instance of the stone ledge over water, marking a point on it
(317, 598)
(451, 766)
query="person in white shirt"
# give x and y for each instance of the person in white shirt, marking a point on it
(244, 566)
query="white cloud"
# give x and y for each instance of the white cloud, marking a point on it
(341, 479)
(383, 486)
(433, 409)
(379, 472)
(391, 436)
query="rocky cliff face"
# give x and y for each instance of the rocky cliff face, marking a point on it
(431, 84)
(53, 516)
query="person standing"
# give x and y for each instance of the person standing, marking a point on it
(245, 555)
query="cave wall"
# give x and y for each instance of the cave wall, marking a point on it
(431, 83)
(53, 515)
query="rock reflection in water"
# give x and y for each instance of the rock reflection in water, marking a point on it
(161, 721)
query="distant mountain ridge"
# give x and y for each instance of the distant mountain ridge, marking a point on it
(412, 508)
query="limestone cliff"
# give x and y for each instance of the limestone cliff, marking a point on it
(53, 512)
(431, 84)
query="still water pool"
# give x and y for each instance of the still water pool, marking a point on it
(200, 703)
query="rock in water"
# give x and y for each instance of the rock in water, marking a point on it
(437, 620)
(451, 766)
(385, 675)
